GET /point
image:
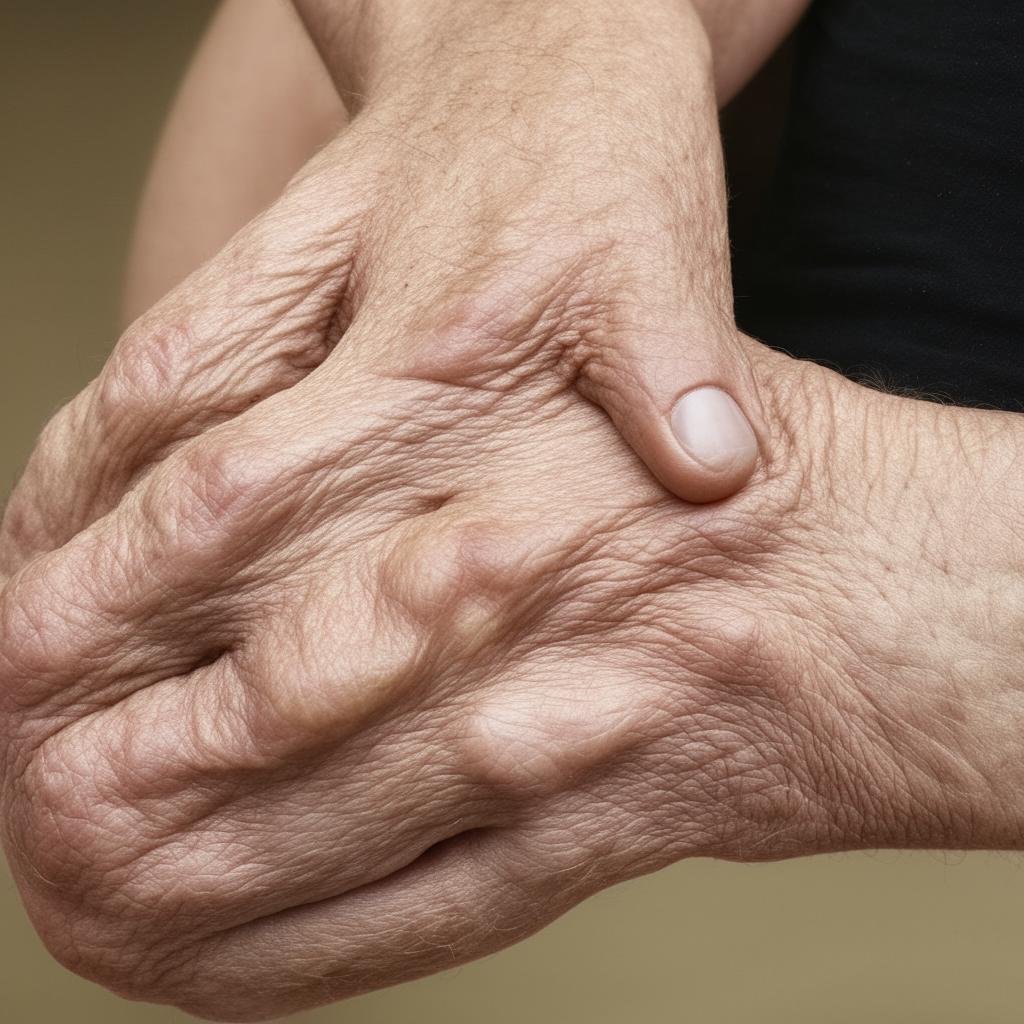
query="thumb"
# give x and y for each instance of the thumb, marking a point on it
(689, 409)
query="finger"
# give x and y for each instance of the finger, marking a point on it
(167, 576)
(467, 898)
(679, 388)
(252, 322)
(216, 831)
(217, 533)
(482, 890)
(686, 401)
(323, 753)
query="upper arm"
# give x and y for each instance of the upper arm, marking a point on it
(744, 34)
(255, 104)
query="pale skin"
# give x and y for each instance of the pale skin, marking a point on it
(346, 633)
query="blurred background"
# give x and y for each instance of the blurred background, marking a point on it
(885, 938)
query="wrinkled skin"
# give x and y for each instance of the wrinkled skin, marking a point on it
(328, 663)
(394, 666)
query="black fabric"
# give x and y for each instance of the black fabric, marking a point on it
(892, 243)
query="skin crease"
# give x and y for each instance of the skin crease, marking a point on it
(331, 658)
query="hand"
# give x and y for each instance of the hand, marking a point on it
(443, 221)
(565, 166)
(376, 668)
(389, 669)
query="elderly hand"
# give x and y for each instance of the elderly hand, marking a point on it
(385, 670)
(325, 665)
(566, 164)
(496, 198)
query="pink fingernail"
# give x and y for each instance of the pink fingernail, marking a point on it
(711, 427)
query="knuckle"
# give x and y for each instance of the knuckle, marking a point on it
(73, 941)
(97, 913)
(147, 368)
(39, 639)
(215, 485)
(321, 672)
(529, 745)
(214, 493)
(23, 653)
(514, 323)
(25, 530)
(474, 346)
(512, 753)
(67, 846)
(48, 504)
(735, 647)
(462, 573)
(120, 956)
(57, 443)
(63, 834)
(104, 955)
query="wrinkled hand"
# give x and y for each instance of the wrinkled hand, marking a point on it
(491, 207)
(344, 640)
(384, 670)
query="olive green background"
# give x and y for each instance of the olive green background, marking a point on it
(866, 938)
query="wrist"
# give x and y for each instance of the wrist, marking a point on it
(368, 45)
(959, 694)
(912, 586)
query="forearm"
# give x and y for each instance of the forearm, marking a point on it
(917, 600)
(359, 39)
(969, 641)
